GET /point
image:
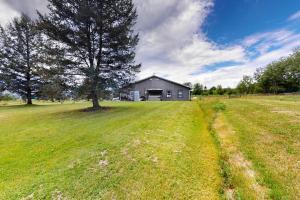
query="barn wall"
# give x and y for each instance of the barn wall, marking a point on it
(157, 83)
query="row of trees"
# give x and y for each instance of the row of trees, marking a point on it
(199, 89)
(282, 76)
(89, 40)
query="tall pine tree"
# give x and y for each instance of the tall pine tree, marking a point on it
(97, 39)
(20, 46)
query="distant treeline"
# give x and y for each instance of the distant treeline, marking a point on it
(282, 76)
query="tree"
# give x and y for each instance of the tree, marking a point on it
(97, 40)
(2, 84)
(246, 85)
(54, 89)
(229, 91)
(198, 89)
(219, 90)
(2, 88)
(188, 84)
(280, 76)
(212, 90)
(20, 45)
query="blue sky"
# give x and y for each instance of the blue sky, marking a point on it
(208, 41)
(274, 24)
(231, 20)
(215, 41)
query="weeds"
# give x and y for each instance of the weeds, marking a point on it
(219, 107)
(211, 109)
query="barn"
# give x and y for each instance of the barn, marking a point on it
(156, 88)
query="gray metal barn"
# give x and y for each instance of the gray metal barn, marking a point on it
(155, 88)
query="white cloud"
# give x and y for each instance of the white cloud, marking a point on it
(28, 7)
(230, 76)
(267, 37)
(13, 8)
(6, 13)
(294, 16)
(172, 43)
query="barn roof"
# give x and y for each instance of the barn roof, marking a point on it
(154, 76)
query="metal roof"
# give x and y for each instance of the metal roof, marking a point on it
(154, 76)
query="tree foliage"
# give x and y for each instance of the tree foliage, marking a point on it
(96, 39)
(246, 85)
(280, 76)
(198, 89)
(188, 84)
(20, 66)
(55, 88)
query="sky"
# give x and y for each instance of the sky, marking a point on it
(207, 41)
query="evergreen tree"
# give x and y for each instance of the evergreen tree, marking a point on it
(20, 45)
(96, 38)
(2, 84)
(56, 86)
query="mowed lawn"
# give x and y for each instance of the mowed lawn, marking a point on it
(266, 130)
(147, 150)
(215, 148)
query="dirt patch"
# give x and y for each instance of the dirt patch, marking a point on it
(103, 153)
(74, 164)
(58, 195)
(29, 197)
(296, 121)
(136, 143)
(230, 194)
(154, 159)
(287, 112)
(237, 162)
(103, 163)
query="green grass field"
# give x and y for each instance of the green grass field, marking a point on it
(268, 133)
(214, 148)
(130, 151)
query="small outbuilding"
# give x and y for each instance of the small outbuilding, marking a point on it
(155, 88)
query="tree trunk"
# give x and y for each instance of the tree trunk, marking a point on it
(29, 97)
(96, 105)
(94, 95)
(28, 76)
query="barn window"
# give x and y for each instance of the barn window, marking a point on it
(169, 94)
(180, 94)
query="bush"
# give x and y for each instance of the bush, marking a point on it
(219, 107)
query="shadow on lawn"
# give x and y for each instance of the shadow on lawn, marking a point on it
(89, 112)
(67, 111)
(22, 106)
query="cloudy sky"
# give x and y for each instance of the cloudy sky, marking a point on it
(208, 41)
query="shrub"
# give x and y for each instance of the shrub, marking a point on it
(219, 107)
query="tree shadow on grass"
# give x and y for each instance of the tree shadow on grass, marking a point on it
(89, 112)
(101, 109)
(21, 106)
(81, 112)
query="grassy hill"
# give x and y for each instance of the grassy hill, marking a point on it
(245, 148)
